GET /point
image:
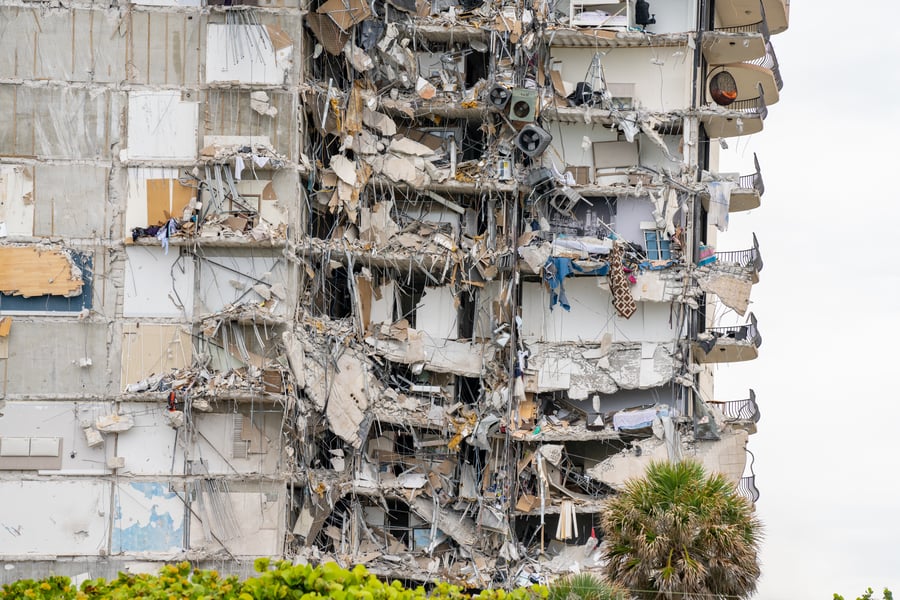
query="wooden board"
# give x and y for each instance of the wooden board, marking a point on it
(28, 271)
(166, 196)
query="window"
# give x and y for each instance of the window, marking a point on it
(657, 245)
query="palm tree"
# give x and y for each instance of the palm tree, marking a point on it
(678, 533)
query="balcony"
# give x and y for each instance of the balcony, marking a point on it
(742, 413)
(739, 13)
(742, 117)
(747, 485)
(748, 193)
(747, 54)
(737, 343)
(733, 45)
(740, 410)
(746, 259)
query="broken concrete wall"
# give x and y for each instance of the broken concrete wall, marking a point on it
(149, 518)
(16, 200)
(89, 129)
(165, 47)
(55, 525)
(158, 284)
(162, 125)
(727, 456)
(72, 201)
(80, 450)
(48, 44)
(150, 349)
(241, 276)
(231, 119)
(77, 363)
(246, 520)
(661, 88)
(591, 315)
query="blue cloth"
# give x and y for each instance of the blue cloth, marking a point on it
(167, 231)
(556, 269)
(648, 266)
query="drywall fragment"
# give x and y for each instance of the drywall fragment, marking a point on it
(30, 271)
(345, 13)
(344, 168)
(259, 102)
(327, 32)
(425, 89)
(263, 290)
(382, 123)
(399, 169)
(16, 201)
(440, 356)
(734, 292)
(312, 517)
(174, 418)
(278, 290)
(453, 523)
(115, 462)
(376, 224)
(357, 57)
(364, 142)
(114, 423)
(92, 437)
(404, 145)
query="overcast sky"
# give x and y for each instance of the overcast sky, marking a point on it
(828, 303)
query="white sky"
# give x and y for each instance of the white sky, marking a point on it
(828, 303)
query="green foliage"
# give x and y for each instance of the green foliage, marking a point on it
(275, 581)
(885, 595)
(677, 531)
(584, 586)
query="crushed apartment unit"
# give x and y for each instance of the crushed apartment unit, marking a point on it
(416, 284)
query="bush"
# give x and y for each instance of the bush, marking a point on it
(276, 580)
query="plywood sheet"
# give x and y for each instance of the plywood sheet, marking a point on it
(149, 349)
(29, 271)
(166, 197)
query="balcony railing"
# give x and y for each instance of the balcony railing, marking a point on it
(770, 61)
(740, 410)
(752, 106)
(744, 258)
(747, 486)
(748, 332)
(753, 181)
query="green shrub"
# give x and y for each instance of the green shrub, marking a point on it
(275, 581)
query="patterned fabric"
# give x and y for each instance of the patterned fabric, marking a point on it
(623, 301)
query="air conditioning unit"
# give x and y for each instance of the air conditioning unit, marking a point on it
(523, 105)
(499, 96)
(533, 140)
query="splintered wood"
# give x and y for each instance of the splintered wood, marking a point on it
(28, 271)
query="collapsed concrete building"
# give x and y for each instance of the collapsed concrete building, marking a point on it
(408, 283)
